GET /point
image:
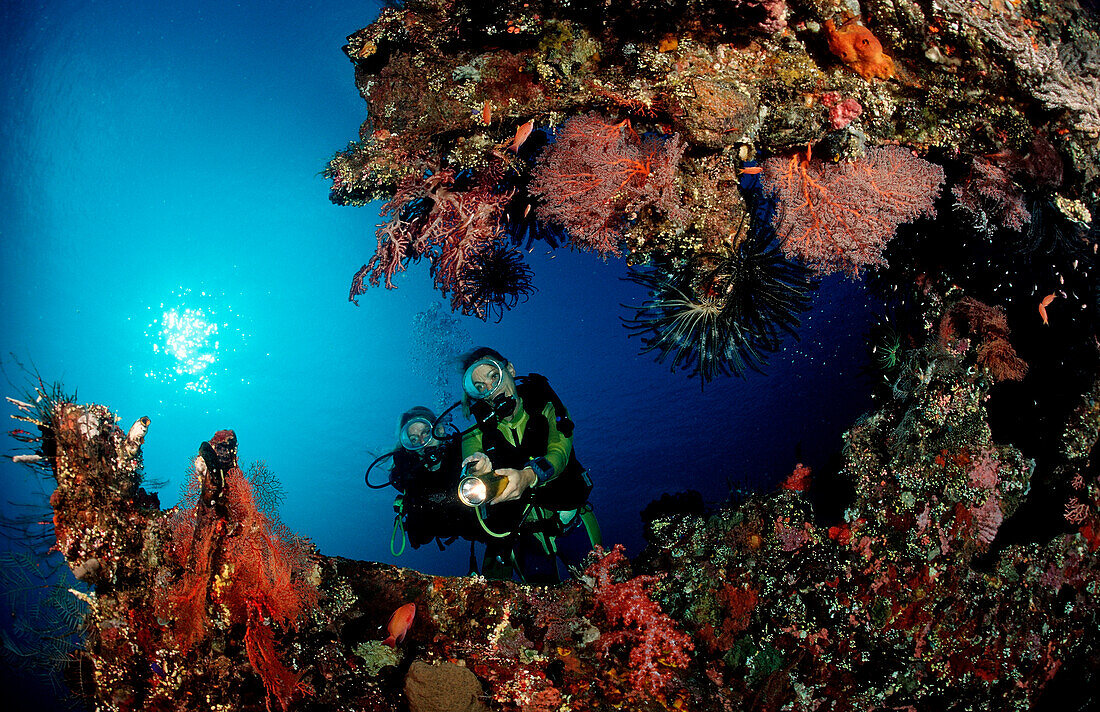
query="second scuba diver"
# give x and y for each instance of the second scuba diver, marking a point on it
(425, 467)
(523, 445)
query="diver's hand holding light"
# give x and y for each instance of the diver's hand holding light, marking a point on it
(516, 483)
(479, 484)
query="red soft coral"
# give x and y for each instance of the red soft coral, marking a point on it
(429, 217)
(657, 645)
(240, 564)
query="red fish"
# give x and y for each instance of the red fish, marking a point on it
(486, 113)
(400, 622)
(522, 132)
(752, 170)
(1043, 307)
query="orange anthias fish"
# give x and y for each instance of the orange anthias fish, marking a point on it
(400, 622)
(1043, 307)
(487, 113)
(522, 132)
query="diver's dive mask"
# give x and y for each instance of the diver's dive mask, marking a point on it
(417, 434)
(483, 383)
(484, 378)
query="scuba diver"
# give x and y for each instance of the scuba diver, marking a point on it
(520, 472)
(424, 472)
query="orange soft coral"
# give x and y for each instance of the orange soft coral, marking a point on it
(859, 50)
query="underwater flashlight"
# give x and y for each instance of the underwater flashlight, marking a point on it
(476, 490)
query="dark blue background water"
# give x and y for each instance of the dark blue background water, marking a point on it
(159, 159)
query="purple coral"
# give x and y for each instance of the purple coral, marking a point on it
(775, 14)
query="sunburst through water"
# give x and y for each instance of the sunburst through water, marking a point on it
(189, 338)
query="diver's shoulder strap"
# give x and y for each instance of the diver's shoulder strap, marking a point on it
(536, 392)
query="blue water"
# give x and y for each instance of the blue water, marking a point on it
(164, 160)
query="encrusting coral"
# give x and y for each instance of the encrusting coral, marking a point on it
(629, 129)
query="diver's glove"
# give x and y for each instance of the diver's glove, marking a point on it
(399, 504)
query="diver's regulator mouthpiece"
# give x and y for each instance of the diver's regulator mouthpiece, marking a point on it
(476, 490)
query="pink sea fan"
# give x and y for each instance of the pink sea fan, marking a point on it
(1076, 511)
(839, 216)
(987, 519)
(597, 174)
(990, 191)
(984, 472)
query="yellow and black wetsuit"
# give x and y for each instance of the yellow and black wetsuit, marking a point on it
(540, 436)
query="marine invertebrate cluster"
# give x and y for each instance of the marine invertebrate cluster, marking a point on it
(626, 129)
(931, 586)
(970, 320)
(716, 315)
(839, 216)
(656, 645)
(597, 173)
(756, 603)
(237, 556)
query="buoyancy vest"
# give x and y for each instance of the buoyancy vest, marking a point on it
(570, 489)
(430, 508)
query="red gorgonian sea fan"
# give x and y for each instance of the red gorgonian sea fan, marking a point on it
(986, 328)
(429, 217)
(597, 174)
(239, 564)
(839, 216)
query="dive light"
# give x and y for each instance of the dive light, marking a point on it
(476, 490)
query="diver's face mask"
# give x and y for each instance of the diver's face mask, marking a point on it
(419, 438)
(486, 384)
(418, 434)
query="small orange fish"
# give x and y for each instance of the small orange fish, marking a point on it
(522, 132)
(487, 113)
(752, 170)
(1043, 307)
(400, 622)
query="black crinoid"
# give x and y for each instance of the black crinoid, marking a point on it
(721, 315)
(496, 280)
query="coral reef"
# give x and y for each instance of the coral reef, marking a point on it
(950, 558)
(918, 596)
(629, 129)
